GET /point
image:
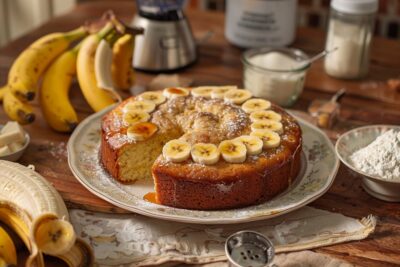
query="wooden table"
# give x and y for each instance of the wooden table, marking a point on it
(219, 63)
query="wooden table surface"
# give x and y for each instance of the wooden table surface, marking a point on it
(219, 63)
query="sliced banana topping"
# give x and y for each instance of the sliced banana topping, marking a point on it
(263, 115)
(176, 150)
(267, 125)
(205, 153)
(155, 97)
(141, 131)
(142, 105)
(254, 144)
(237, 96)
(173, 92)
(202, 91)
(270, 139)
(134, 116)
(219, 91)
(233, 151)
(256, 104)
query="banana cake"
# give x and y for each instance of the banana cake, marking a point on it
(205, 148)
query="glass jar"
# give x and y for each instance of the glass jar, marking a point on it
(350, 30)
(276, 74)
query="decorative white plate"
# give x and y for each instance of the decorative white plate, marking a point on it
(319, 168)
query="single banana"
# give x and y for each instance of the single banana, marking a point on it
(155, 97)
(142, 105)
(202, 91)
(141, 131)
(17, 110)
(33, 61)
(207, 154)
(7, 248)
(233, 151)
(132, 117)
(176, 150)
(219, 91)
(54, 102)
(35, 211)
(237, 96)
(123, 74)
(174, 92)
(263, 115)
(269, 138)
(97, 98)
(267, 125)
(2, 92)
(255, 104)
(102, 68)
(254, 145)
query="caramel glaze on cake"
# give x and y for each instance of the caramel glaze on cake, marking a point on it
(195, 186)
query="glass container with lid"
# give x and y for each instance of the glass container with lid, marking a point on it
(350, 30)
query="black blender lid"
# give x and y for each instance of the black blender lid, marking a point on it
(161, 10)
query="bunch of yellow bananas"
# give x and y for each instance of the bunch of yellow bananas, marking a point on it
(101, 62)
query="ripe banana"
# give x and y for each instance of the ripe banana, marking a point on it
(142, 105)
(237, 96)
(269, 138)
(207, 154)
(16, 109)
(123, 74)
(255, 104)
(263, 115)
(54, 101)
(7, 248)
(267, 125)
(254, 145)
(155, 97)
(33, 61)
(174, 92)
(97, 98)
(141, 131)
(233, 151)
(36, 212)
(176, 150)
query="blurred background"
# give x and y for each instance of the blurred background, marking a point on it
(20, 16)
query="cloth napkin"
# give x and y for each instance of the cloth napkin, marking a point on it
(135, 240)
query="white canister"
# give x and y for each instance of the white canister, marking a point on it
(257, 23)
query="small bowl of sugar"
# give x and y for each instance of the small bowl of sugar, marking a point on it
(373, 152)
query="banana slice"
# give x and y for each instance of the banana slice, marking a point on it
(155, 97)
(173, 92)
(270, 139)
(233, 151)
(134, 116)
(219, 91)
(237, 96)
(263, 115)
(176, 150)
(141, 131)
(142, 105)
(275, 126)
(256, 104)
(254, 145)
(207, 154)
(202, 91)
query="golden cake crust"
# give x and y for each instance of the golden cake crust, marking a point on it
(222, 185)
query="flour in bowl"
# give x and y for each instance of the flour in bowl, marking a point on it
(381, 157)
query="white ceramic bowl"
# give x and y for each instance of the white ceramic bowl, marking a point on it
(355, 139)
(15, 156)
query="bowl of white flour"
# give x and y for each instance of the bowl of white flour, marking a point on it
(373, 152)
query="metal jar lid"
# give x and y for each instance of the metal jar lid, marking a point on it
(249, 248)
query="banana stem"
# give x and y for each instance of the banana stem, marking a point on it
(112, 38)
(76, 34)
(106, 30)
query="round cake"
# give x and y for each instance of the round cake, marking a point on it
(205, 148)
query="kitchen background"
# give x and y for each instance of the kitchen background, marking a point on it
(20, 16)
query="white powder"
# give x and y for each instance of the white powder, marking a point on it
(381, 157)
